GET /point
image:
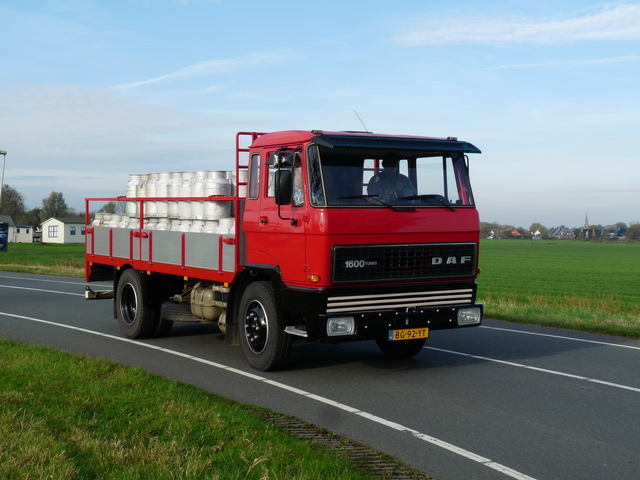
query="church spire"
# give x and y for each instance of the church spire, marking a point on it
(586, 220)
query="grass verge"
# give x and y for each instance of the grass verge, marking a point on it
(69, 416)
(66, 260)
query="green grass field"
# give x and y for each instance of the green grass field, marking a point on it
(46, 259)
(570, 284)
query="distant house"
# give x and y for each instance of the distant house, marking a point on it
(17, 233)
(515, 233)
(22, 234)
(63, 230)
(588, 233)
(494, 234)
(619, 234)
(561, 232)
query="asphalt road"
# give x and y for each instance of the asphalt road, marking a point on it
(496, 402)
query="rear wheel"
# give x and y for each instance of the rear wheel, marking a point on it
(400, 348)
(135, 318)
(264, 341)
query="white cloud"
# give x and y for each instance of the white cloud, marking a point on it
(617, 22)
(227, 65)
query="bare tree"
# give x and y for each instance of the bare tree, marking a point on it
(633, 232)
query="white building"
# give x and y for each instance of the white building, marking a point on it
(22, 234)
(17, 233)
(63, 230)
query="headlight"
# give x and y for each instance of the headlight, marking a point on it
(341, 326)
(469, 316)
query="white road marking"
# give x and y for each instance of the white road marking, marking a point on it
(609, 344)
(381, 421)
(79, 282)
(41, 290)
(537, 369)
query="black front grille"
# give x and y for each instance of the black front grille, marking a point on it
(371, 263)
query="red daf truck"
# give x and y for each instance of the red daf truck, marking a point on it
(338, 236)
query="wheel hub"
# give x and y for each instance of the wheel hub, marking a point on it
(128, 304)
(256, 329)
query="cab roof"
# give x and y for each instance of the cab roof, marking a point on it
(365, 140)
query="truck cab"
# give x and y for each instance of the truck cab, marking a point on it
(363, 236)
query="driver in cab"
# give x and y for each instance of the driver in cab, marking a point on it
(389, 186)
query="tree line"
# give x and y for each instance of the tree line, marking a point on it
(54, 205)
(632, 230)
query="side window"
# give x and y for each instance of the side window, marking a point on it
(315, 177)
(254, 176)
(72, 230)
(444, 177)
(271, 182)
(298, 183)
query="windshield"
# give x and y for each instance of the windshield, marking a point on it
(379, 178)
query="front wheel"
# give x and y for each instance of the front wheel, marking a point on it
(400, 348)
(135, 318)
(264, 341)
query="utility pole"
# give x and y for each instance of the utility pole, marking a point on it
(4, 157)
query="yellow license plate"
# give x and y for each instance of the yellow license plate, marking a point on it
(408, 334)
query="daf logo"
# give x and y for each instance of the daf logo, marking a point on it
(451, 260)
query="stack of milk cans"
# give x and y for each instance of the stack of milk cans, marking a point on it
(209, 216)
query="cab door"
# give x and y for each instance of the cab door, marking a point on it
(282, 224)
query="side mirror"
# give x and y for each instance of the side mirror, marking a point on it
(283, 186)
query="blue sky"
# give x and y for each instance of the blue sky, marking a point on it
(92, 91)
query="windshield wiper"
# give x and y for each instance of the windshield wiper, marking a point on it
(395, 208)
(438, 198)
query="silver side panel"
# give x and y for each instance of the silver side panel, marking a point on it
(197, 250)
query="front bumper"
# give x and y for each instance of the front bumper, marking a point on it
(376, 310)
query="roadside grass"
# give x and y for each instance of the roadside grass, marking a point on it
(576, 285)
(73, 417)
(65, 260)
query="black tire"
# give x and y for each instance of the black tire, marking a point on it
(135, 318)
(176, 312)
(265, 344)
(400, 348)
(163, 328)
